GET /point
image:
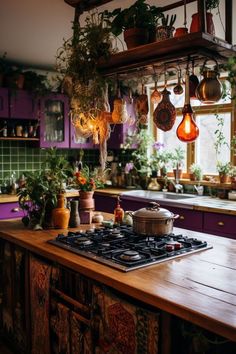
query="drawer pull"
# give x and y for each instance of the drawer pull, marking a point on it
(220, 223)
(16, 210)
(181, 217)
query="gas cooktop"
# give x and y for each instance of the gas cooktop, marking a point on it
(121, 248)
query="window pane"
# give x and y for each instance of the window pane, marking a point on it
(206, 153)
(171, 142)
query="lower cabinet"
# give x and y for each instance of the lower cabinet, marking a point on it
(10, 211)
(220, 224)
(14, 296)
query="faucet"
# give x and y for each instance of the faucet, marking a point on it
(178, 188)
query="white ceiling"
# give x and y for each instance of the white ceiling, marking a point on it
(31, 31)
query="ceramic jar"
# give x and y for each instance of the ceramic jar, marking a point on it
(86, 200)
(60, 214)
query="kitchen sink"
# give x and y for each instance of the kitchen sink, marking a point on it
(177, 196)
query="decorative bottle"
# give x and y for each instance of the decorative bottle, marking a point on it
(60, 214)
(74, 214)
(118, 213)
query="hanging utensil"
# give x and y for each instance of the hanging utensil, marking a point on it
(209, 89)
(119, 113)
(193, 83)
(178, 89)
(164, 115)
(156, 95)
(142, 107)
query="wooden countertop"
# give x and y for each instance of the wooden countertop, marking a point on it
(199, 288)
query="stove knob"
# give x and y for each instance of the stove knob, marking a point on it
(177, 246)
(170, 248)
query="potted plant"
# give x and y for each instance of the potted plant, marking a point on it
(177, 158)
(36, 83)
(232, 174)
(223, 170)
(210, 28)
(166, 30)
(39, 195)
(138, 22)
(196, 172)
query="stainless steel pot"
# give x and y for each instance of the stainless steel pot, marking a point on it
(153, 220)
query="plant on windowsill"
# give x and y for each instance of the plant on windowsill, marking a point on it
(138, 23)
(223, 170)
(195, 172)
(232, 174)
(177, 158)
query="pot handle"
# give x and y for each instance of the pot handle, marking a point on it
(176, 216)
(212, 59)
(153, 206)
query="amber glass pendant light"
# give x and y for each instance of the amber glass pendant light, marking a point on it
(187, 130)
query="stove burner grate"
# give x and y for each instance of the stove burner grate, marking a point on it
(125, 250)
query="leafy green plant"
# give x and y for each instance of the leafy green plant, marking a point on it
(87, 180)
(223, 168)
(212, 4)
(138, 15)
(36, 83)
(196, 170)
(177, 157)
(39, 196)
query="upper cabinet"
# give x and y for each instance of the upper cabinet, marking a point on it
(54, 121)
(79, 142)
(23, 105)
(4, 103)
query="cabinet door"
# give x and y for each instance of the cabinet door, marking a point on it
(54, 121)
(4, 103)
(23, 105)
(219, 224)
(10, 211)
(123, 326)
(105, 203)
(40, 273)
(15, 318)
(188, 219)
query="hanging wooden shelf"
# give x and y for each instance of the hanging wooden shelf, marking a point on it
(198, 44)
(18, 139)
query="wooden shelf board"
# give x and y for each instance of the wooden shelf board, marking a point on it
(174, 49)
(19, 139)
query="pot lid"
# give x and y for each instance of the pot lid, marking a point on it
(153, 211)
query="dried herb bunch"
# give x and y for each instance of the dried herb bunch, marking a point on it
(78, 58)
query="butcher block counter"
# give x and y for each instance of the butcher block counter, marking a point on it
(200, 288)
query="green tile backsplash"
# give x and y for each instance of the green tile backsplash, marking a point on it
(19, 156)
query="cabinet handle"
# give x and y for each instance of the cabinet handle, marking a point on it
(220, 223)
(16, 210)
(181, 217)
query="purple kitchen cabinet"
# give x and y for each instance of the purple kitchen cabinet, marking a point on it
(220, 224)
(188, 219)
(54, 121)
(80, 142)
(4, 103)
(23, 105)
(10, 211)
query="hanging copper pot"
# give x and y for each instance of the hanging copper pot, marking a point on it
(209, 89)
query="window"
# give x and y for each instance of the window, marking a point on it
(203, 150)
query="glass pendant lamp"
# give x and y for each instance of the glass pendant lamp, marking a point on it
(187, 130)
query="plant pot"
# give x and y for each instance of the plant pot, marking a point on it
(233, 182)
(164, 32)
(134, 37)
(86, 200)
(195, 24)
(192, 177)
(223, 178)
(181, 31)
(177, 174)
(60, 214)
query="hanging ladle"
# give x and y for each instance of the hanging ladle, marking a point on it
(156, 95)
(193, 83)
(178, 89)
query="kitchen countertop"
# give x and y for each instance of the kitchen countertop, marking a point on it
(199, 288)
(204, 203)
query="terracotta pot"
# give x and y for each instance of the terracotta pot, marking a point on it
(60, 214)
(177, 174)
(223, 178)
(86, 200)
(233, 182)
(134, 37)
(181, 31)
(195, 24)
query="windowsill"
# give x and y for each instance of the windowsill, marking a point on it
(217, 185)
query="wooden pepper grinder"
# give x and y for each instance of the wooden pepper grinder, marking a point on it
(118, 213)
